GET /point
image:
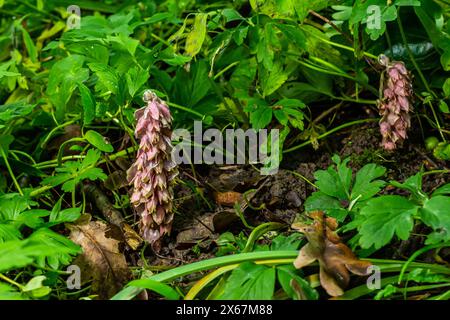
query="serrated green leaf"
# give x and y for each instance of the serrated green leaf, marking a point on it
(250, 281)
(261, 117)
(384, 217)
(273, 78)
(88, 103)
(364, 188)
(136, 78)
(435, 214)
(330, 205)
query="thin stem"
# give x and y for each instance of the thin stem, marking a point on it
(5, 278)
(326, 134)
(11, 173)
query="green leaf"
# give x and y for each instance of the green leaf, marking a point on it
(88, 103)
(9, 232)
(67, 215)
(261, 117)
(364, 187)
(36, 288)
(158, 287)
(443, 106)
(281, 242)
(4, 72)
(293, 33)
(265, 46)
(59, 249)
(287, 274)
(8, 292)
(72, 172)
(196, 37)
(250, 281)
(12, 205)
(108, 80)
(243, 77)
(29, 44)
(446, 87)
(273, 78)
(302, 7)
(98, 141)
(63, 78)
(5, 142)
(330, 205)
(335, 182)
(136, 78)
(435, 214)
(420, 275)
(14, 110)
(384, 217)
(413, 184)
(445, 189)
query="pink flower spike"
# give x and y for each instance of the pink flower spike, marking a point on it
(395, 105)
(150, 175)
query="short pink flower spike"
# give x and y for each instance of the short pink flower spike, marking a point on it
(153, 172)
(395, 104)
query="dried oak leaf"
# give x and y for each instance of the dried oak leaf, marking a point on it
(336, 260)
(101, 260)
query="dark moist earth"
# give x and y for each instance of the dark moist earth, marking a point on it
(201, 216)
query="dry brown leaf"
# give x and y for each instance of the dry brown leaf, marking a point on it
(101, 260)
(228, 198)
(336, 260)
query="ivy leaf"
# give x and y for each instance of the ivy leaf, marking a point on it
(384, 217)
(250, 281)
(435, 214)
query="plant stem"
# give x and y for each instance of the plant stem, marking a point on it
(11, 173)
(326, 134)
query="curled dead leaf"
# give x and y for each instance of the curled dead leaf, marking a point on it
(336, 260)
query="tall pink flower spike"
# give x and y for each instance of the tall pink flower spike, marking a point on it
(395, 104)
(153, 172)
